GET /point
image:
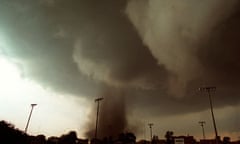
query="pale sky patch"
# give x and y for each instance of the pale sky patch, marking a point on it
(55, 113)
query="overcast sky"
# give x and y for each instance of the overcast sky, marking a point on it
(147, 58)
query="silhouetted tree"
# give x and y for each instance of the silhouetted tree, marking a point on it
(155, 139)
(39, 139)
(10, 135)
(127, 138)
(70, 138)
(226, 140)
(169, 137)
(52, 140)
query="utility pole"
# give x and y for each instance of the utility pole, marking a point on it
(32, 105)
(144, 130)
(209, 90)
(202, 125)
(98, 101)
(150, 126)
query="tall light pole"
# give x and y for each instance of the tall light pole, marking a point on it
(97, 100)
(209, 90)
(150, 126)
(202, 125)
(144, 130)
(32, 105)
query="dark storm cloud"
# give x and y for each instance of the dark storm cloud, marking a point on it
(82, 48)
(34, 41)
(158, 53)
(196, 42)
(174, 32)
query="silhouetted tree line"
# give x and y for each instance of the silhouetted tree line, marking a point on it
(10, 135)
(123, 138)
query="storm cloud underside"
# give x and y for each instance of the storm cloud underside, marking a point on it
(156, 52)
